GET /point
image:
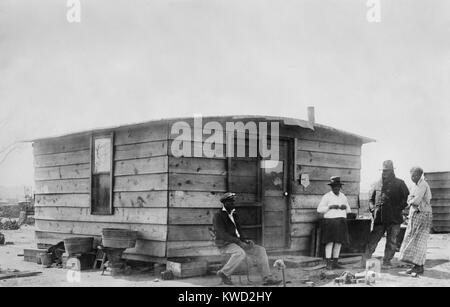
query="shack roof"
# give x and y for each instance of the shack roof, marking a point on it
(284, 120)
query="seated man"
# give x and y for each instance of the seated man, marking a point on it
(229, 241)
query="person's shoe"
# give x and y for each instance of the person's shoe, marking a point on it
(329, 264)
(270, 281)
(418, 269)
(225, 279)
(386, 265)
(335, 264)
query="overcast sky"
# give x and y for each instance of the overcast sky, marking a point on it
(131, 61)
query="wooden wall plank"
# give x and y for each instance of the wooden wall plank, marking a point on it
(141, 150)
(191, 249)
(320, 134)
(141, 134)
(121, 215)
(440, 193)
(149, 248)
(152, 165)
(321, 187)
(438, 209)
(312, 201)
(312, 158)
(441, 217)
(145, 231)
(300, 243)
(440, 202)
(191, 216)
(182, 199)
(143, 247)
(197, 166)
(62, 144)
(304, 215)
(217, 150)
(66, 186)
(189, 233)
(136, 183)
(302, 229)
(439, 184)
(193, 182)
(58, 159)
(346, 149)
(153, 199)
(437, 176)
(53, 237)
(76, 171)
(193, 199)
(324, 173)
(63, 200)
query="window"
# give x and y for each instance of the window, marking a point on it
(101, 177)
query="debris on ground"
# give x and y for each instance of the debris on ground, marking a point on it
(16, 274)
(9, 224)
(167, 275)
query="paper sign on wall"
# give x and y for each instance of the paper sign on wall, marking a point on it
(304, 180)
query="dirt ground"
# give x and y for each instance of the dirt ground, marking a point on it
(437, 270)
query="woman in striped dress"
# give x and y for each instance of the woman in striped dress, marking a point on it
(414, 246)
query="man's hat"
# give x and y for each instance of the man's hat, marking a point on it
(335, 180)
(388, 165)
(227, 196)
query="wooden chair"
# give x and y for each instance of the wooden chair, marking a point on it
(100, 258)
(243, 269)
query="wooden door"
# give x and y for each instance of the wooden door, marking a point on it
(275, 199)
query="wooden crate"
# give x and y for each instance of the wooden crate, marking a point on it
(183, 268)
(31, 254)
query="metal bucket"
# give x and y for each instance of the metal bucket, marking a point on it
(118, 238)
(78, 245)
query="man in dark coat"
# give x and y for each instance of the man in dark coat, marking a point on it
(229, 240)
(387, 200)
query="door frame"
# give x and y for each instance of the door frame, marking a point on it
(290, 170)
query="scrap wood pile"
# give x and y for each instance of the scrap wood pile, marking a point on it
(9, 224)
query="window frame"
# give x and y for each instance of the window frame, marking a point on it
(111, 172)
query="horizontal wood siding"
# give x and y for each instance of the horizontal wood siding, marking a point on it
(65, 158)
(62, 175)
(195, 187)
(121, 215)
(321, 154)
(439, 183)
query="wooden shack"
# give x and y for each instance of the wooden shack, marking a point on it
(439, 183)
(131, 177)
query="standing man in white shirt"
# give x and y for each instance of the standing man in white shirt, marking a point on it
(414, 246)
(334, 207)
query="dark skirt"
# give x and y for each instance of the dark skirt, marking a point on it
(335, 230)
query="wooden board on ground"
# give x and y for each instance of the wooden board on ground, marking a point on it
(7, 275)
(31, 254)
(297, 261)
(183, 268)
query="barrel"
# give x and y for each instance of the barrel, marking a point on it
(78, 245)
(439, 183)
(118, 238)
